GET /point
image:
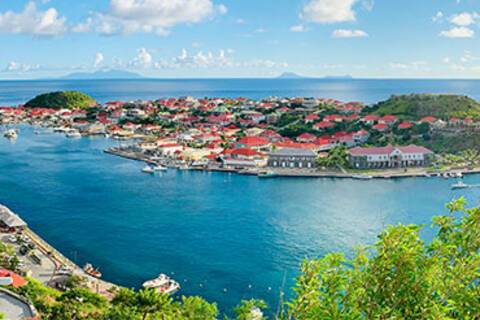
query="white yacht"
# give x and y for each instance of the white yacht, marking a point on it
(72, 133)
(148, 169)
(159, 168)
(163, 284)
(362, 176)
(10, 134)
(460, 185)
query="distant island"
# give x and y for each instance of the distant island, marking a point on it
(103, 74)
(293, 75)
(62, 100)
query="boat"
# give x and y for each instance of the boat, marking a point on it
(460, 185)
(90, 270)
(10, 134)
(163, 284)
(148, 169)
(362, 176)
(267, 174)
(159, 168)
(459, 174)
(73, 134)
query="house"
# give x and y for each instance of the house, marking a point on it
(389, 120)
(292, 158)
(429, 120)
(253, 142)
(361, 136)
(389, 157)
(242, 158)
(405, 125)
(323, 125)
(306, 137)
(381, 127)
(370, 119)
(311, 118)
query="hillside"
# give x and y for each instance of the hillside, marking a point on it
(415, 106)
(62, 100)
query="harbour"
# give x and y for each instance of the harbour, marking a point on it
(97, 208)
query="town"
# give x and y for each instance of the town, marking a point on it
(268, 137)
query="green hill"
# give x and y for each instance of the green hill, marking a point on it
(415, 106)
(62, 100)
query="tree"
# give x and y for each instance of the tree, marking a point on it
(400, 277)
(337, 158)
(250, 310)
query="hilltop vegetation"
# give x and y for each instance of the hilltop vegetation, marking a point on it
(399, 277)
(62, 100)
(416, 106)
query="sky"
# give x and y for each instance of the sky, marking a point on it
(241, 38)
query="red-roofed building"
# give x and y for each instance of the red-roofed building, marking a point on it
(370, 119)
(381, 127)
(429, 120)
(388, 119)
(306, 137)
(253, 142)
(311, 118)
(323, 125)
(405, 125)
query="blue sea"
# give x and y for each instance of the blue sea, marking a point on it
(226, 237)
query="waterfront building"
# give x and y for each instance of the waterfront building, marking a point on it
(10, 221)
(292, 158)
(389, 157)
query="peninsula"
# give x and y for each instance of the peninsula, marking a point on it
(411, 135)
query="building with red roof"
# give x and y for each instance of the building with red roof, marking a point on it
(405, 125)
(322, 125)
(388, 119)
(381, 127)
(306, 137)
(253, 142)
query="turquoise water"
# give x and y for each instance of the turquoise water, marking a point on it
(212, 230)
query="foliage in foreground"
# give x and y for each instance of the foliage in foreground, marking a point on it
(400, 277)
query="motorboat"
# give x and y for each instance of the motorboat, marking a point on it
(460, 185)
(72, 133)
(362, 176)
(163, 284)
(267, 174)
(10, 134)
(148, 169)
(159, 168)
(90, 270)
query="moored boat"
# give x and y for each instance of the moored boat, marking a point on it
(267, 174)
(163, 284)
(90, 270)
(10, 134)
(148, 169)
(460, 185)
(362, 176)
(159, 168)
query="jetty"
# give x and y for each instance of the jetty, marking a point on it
(50, 261)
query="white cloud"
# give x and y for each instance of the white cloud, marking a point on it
(415, 65)
(446, 60)
(345, 33)
(222, 59)
(98, 59)
(298, 28)
(328, 11)
(241, 21)
(15, 67)
(143, 59)
(464, 19)
(438, 16)
(149, 16)
(458, 32)
(33, 21)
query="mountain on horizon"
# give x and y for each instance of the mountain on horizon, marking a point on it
(103, 74)
(290, 75)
